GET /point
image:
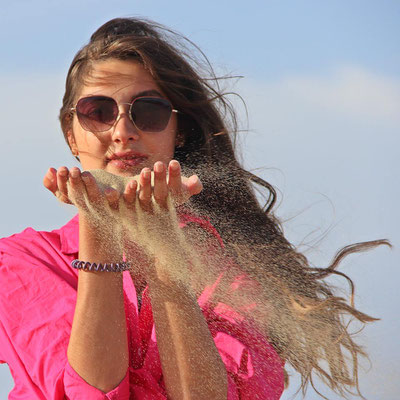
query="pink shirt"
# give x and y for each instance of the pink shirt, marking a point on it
(37, 302)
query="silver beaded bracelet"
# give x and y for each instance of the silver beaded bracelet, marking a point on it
(107, 267)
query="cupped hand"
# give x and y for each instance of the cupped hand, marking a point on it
(180, 188)
(56, 182)
(73, 186)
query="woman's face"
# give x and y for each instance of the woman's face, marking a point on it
(122, 149)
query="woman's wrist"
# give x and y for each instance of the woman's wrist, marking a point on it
(94, 245)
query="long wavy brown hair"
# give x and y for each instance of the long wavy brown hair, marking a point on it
(309, 327)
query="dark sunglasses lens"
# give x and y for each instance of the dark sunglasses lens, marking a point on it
(97, 114)
(151, 114)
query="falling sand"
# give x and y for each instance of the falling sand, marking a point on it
(263, 286)
(139, 235)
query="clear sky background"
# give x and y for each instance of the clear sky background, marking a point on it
(322, 87)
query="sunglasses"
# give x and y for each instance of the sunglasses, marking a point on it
(100, 113)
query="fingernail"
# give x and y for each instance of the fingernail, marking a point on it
(85, 176)
(146, 173)
(132, 185)
(174, 165)
(74, 173)
(159, 167)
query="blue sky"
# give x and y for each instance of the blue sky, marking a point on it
(285, 37)
(322, 86)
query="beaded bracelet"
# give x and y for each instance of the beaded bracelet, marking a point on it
(108, 267)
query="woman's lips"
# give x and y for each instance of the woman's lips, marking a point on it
(125, 163)
(126, 159)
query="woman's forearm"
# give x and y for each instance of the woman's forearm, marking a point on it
(98, 347)
(192, 367)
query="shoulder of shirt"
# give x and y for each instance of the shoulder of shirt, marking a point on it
(24, 241)
(30, 241)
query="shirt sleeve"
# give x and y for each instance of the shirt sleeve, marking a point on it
(77, 388)
(36, 312)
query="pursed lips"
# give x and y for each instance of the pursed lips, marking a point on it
(126, 159)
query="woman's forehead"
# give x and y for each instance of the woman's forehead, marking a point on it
(117, 75)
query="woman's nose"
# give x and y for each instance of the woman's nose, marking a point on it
(124, 130)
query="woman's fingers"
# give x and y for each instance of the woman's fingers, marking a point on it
(76, 187)
(174, 177)
(50, 180)
(160, 191)
(189, 187)
(62, 179)
(182, 188)
(145, 190)
(193, 185)
(175, 183)
(92, 189)
(66, 184)
(87, 182)
(112, 197)
(130, 193)
(166, 180)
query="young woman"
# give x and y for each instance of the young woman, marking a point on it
(75, 323)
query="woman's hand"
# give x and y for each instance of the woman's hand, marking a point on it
(56, 182)
(179, 187)
(70, 186)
